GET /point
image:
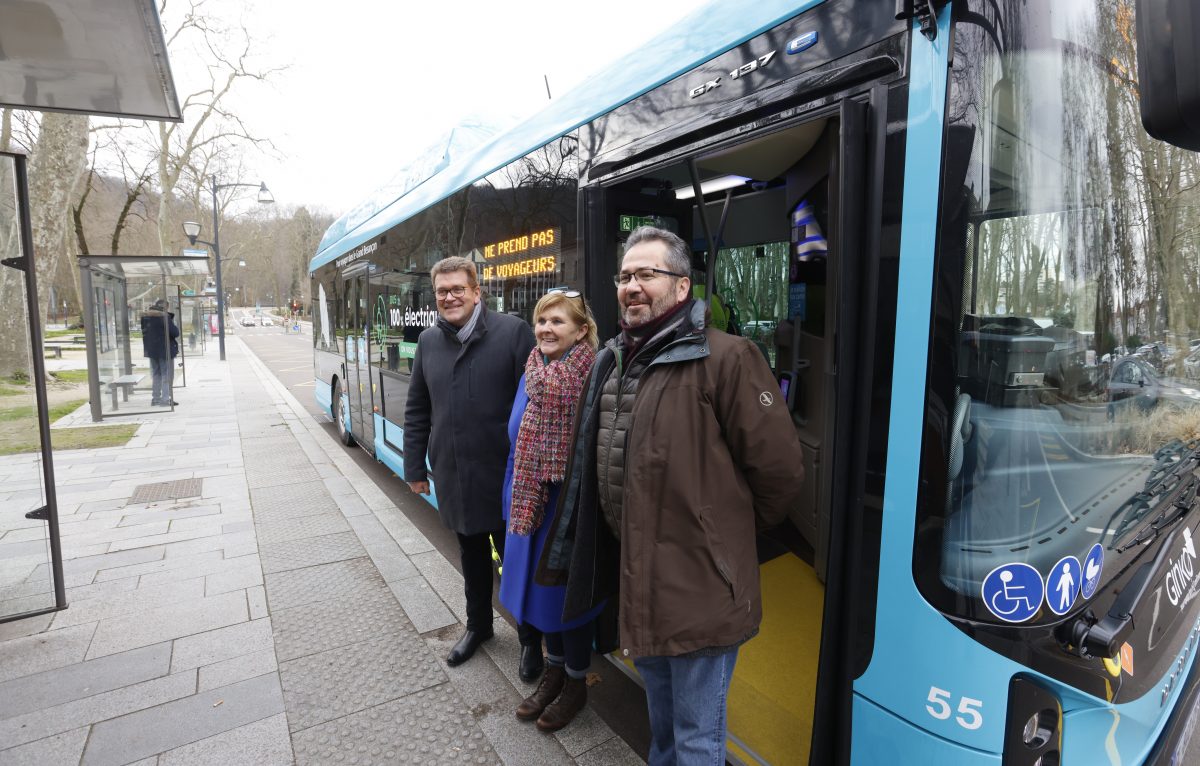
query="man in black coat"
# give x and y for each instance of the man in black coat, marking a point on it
(159, 344)
(460, 395)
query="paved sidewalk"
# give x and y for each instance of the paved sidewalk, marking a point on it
(282, 611)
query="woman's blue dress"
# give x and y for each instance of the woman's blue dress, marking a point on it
(538, 605)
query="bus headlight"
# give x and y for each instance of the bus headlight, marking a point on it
(1040, 728)
(1033, 733)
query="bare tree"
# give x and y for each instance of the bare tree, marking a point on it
(210, 130)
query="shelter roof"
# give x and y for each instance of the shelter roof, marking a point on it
(104, 58)
(149, 266)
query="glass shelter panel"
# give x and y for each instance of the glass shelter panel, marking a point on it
(28, 541)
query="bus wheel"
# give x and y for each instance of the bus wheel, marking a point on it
(339, 416)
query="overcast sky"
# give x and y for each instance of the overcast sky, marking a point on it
(371, 83)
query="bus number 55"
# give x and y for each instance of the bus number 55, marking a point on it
(968, 716)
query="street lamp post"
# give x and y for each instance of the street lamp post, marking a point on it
(192, 230)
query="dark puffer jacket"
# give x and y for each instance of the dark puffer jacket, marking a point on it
(157, 327)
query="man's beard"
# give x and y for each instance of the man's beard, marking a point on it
(659, 306)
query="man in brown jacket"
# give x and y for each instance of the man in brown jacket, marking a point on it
(683, 447)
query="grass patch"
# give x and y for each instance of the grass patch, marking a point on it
(90, 437)
(61, 333)
(65, 408)
(70, 376)
(6, 391)
(30, 411)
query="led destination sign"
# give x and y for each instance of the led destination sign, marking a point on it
(522, 244)
(525, 255)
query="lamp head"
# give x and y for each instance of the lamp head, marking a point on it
(192, 230)
(264, 194)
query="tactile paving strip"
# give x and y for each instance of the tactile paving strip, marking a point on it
(322, 583)
(295, 554)
(429, 727)
(324, 625)
(167, 490)
(289, 502)
(281, 475)
(301, 527)
(329, 685)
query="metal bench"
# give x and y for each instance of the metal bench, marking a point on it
(54, 351)
(125, 384)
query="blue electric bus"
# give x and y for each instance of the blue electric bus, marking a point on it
(974, 270)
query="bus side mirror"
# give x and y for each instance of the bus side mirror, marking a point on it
(1168, 63)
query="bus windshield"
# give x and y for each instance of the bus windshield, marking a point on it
(1068, 272)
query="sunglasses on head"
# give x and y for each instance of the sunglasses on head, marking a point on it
(565, 292)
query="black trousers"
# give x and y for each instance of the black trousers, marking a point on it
(478, 580)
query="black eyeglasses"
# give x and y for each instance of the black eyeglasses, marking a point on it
(457, 291)
(642, 276)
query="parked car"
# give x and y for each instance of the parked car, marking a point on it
(1135, 383)
(760, 330)
(1191, 364)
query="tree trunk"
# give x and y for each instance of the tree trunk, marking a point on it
(55, 170)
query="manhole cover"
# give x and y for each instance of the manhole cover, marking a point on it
(166, 490)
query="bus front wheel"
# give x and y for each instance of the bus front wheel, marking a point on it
(339, 415)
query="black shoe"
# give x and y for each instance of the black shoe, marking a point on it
(531, 663)
(467, 645)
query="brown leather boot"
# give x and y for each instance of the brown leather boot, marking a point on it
(564, 709)
(547, 689)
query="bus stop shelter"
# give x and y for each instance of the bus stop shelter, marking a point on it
(62, 56)
(121, 327)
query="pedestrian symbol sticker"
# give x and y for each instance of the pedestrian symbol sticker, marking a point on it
(1063, 584)
(1093, 565)
(1013, 592)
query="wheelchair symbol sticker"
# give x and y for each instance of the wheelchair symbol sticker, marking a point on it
(1093, 565)
(1013, 592)
(1063, 584)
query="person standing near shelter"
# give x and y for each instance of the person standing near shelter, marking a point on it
(464, 379)
(683, 446)
(159, 345)
(540, 430)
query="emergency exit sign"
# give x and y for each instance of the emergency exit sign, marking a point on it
(631, 222)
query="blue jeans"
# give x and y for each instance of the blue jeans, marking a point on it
(686, 698)
(162, 374)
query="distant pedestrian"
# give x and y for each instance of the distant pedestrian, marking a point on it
(683, 445)
(460, 393)
(540, 430)
(160, 346)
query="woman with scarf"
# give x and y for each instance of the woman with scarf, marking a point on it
(540, 431)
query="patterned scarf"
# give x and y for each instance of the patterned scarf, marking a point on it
(544, 440)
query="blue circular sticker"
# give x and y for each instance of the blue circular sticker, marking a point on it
(1093, 565)
(1063, 584)
(1013, 592)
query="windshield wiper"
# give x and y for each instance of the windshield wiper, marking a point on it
(1183, 503)
(1170, 461)
(1104, 637)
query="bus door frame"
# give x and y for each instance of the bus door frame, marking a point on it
(356, 358)
(854, 270)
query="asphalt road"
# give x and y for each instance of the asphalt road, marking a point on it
(289, 357)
